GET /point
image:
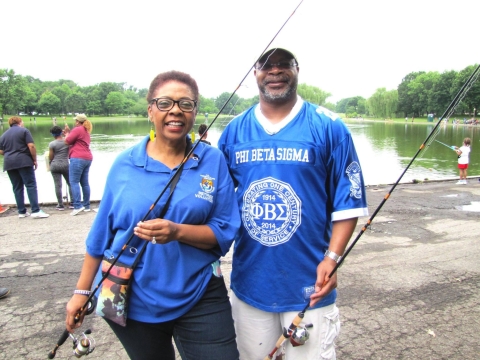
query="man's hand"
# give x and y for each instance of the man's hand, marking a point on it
(324, 285)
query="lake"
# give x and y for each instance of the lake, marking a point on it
(384, 149)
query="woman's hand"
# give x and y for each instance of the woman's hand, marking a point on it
(73, 308)
(163, 230)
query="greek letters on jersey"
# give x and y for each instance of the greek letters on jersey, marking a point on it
(271, 211)
(270, 154)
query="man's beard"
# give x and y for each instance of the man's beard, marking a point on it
(287, 94)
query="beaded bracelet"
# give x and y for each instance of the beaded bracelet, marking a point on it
(82, 292)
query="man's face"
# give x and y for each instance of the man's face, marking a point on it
(277, 78)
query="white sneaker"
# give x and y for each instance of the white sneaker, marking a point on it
(86, 210)
(464, 182)
(77, 211)
(24, 215)
(459, 182)
(39, 215)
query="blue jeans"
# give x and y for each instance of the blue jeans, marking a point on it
(78, 174)
(205, 332)
(24, 177)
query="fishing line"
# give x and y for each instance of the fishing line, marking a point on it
(88, 303)
(298, 318)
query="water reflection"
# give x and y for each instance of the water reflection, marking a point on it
(384, 148)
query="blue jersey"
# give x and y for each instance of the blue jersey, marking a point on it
(171, 278)
(291, 185)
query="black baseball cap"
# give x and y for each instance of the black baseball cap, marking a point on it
(267, 54)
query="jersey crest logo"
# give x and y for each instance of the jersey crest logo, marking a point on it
(353, 171)
(207, 183)
(271, 211)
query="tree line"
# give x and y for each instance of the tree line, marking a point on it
(31, 96)
(418, 93)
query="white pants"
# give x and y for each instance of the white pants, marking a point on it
(258, 331)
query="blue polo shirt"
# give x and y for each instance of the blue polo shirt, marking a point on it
(171, 278)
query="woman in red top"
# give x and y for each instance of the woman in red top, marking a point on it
(80, 160)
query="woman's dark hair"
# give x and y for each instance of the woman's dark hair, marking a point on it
(56, 130)
(173, 75)
(202, 128)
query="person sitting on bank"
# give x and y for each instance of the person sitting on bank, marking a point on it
(202, 129)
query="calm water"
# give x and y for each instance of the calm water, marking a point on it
(385, 149)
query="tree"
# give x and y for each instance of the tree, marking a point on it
(207, 106)
(115, 102)
(12, 91)
(312, 94)
(472, 98)
(49, 103)
(62, 92)
(405, 98)
(383, 103)
(75, 102)
(222, 99)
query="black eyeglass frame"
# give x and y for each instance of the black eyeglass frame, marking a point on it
(155, 100)
(281, 65)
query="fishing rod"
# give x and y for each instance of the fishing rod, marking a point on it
(449, 146)
(289, 333)
(89, 304)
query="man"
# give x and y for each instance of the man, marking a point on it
(20, 163)
(300, 191)
(202, 129)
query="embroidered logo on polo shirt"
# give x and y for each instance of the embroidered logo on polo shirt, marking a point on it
(207, 186)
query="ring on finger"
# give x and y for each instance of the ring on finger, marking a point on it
(153, 240)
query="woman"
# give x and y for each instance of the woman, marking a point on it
(177, 289)
(20, 163)
(80, 162)
(59, 166)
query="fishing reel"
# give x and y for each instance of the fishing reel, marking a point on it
(83, 345)
(300, 335)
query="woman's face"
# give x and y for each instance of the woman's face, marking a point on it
(172, 125)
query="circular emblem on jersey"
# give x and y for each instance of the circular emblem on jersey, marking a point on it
(271, 211)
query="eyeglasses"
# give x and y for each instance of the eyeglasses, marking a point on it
(283, 65)
(166, 104)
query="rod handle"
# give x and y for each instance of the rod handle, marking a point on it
(60, 342)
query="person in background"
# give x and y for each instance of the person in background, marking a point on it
(59, 166)
(20, 163)
(463, 153)
(300, 190)
(80, 161)
(202, 129)
(177, 289)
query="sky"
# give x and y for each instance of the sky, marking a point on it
(347, 48)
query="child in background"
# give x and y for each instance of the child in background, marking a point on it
(463, 153)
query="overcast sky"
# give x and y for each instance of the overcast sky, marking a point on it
(347, 48)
